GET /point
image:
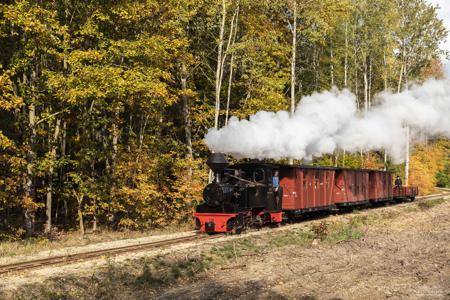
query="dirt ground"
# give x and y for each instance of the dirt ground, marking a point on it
(404, 257)
(398, 252)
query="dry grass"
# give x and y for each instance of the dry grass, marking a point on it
(430, 203)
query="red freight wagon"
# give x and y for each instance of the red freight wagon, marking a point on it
(306, 188)
(380, 185)
(405, 192)
(351, 186)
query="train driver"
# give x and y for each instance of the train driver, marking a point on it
(398, 181)
(275, 180)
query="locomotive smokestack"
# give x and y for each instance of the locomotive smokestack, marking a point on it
(217, 162)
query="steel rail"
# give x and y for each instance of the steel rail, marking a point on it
(71, 258)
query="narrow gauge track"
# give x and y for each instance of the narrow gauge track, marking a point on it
(38, 263)
(56, 260)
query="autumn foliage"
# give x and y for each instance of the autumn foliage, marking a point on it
(428, 162)
(104, 104)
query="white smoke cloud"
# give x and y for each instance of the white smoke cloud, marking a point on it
(326, 121)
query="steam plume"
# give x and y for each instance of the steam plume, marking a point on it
(326, 121)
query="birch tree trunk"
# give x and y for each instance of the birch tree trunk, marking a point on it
(370, 83)
(346, 57)
(343, 158)
(230, 78)
(80, 213)
(385, 70)
(29, 187)
(115, 140)
(385, 82)
(331, 62)
(399, 87)
(407, 129)
(219, 66)
(63, 174)
(94, 217)
(294, 51)
(408, 138)
(48, 225)
(366, 88)
(385, 160)
(407, 156)
(355, 50)
(186, 117)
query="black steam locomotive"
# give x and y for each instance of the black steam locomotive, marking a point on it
(239, 195)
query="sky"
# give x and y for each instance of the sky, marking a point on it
(444, 14)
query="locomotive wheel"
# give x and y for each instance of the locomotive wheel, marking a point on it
(234, 227)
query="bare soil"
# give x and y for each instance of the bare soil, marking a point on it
(403, 257)
(398, 252)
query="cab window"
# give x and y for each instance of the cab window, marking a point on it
(259, 175)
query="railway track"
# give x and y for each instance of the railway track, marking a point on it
(72, 258)
(444, 193)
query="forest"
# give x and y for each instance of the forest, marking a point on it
(104, 104)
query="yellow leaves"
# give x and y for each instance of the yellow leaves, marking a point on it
(36, 21)
(8, 99)
(128, 223)
(372, 162)
(5, 143)
(434, 70)
(87, 56)
(187, 92)
(28, 203)
(156, 190)
(426, 162)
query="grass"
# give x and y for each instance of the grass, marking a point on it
(340, 232)
(430, 203)
(295, 237)
(410, 209)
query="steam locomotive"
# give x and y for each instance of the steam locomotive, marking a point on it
(256, 193)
